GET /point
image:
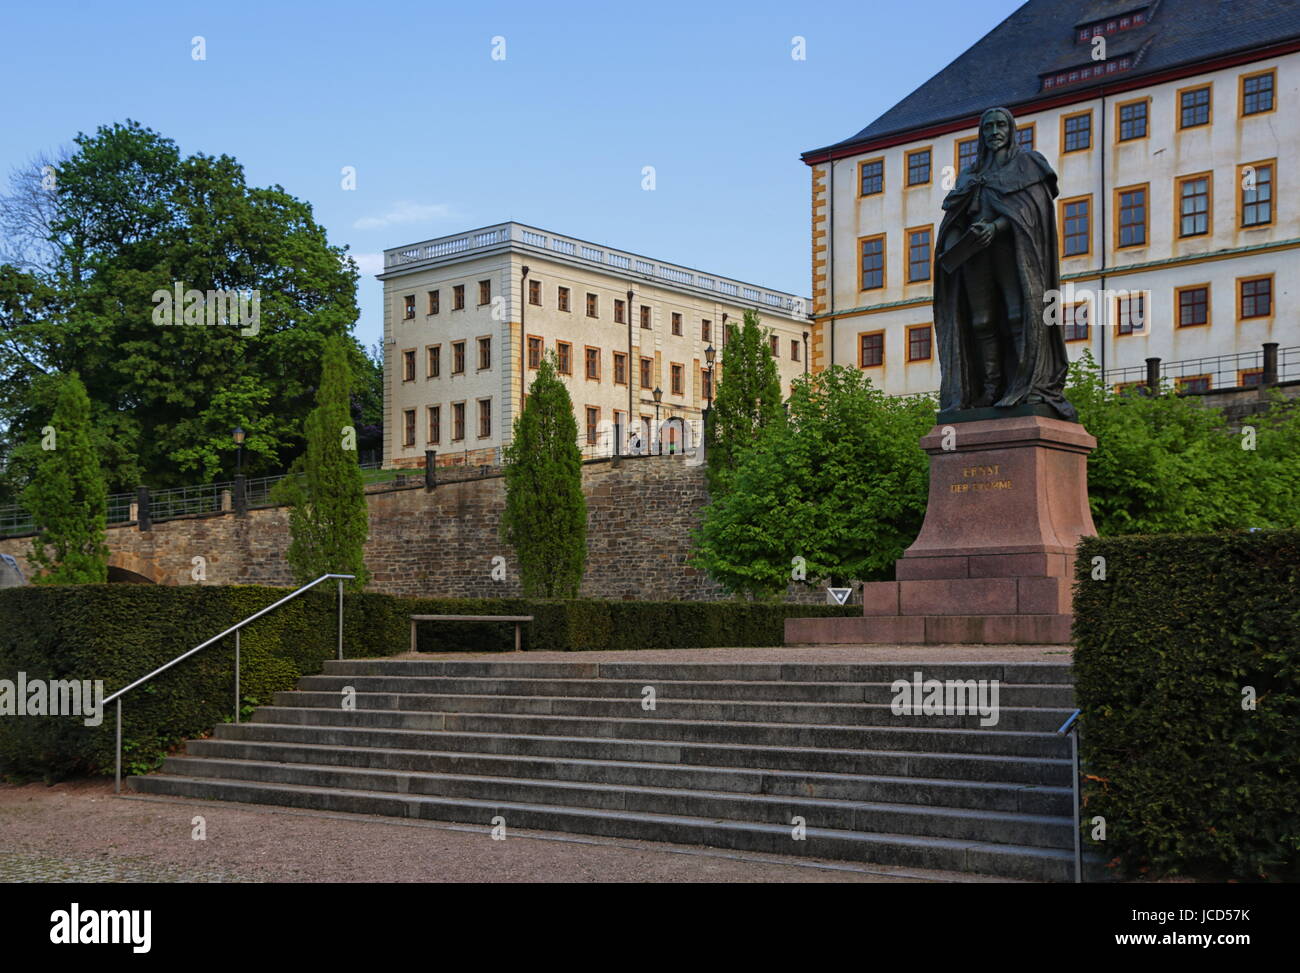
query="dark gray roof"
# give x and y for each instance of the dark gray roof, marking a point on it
(1042, 34)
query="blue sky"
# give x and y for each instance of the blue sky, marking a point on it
(445, 138)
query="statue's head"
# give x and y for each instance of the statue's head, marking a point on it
(997, 132)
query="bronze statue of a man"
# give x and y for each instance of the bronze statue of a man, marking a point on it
(997, 261)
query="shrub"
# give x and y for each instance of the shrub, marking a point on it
(1189, 778)
(118, 633)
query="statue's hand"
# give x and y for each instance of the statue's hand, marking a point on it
(983, 233)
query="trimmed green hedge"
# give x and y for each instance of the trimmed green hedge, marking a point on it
(1191, 782)
(118, 633)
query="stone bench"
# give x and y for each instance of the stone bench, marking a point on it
(517, 619)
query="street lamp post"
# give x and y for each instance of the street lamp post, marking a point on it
(523, 333)
(241, 493)
(659, 443)
(631, 362)
(710, 353)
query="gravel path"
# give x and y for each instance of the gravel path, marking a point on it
(78, 831)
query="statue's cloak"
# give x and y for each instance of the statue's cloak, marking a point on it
(1022, 190)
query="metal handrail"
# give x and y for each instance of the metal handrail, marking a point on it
(117, 696)
(1071, 727)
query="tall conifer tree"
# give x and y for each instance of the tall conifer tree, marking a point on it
(749, 398)
(328, 518)
(68, 496)
(545, 519)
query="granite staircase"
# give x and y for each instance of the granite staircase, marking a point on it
(732, 755)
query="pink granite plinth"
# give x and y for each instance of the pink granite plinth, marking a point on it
(994, 559)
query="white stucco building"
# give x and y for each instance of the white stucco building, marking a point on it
(465, 329)
(1174, 129)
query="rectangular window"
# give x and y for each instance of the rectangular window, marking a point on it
(1193, 305)
(647, 373)
(1256, 183)
(484, 353)
(678, 378)
(873, 263)
(706, 330)
(918, 167)
(871, 349)
(592, 356)
(408, 365)
(535, 292)
(794, 349)
(593, 306)
(1076, 132)
(706, 384)
(918, 255)
(645, 316)
(1076, 321)
(408, 427)
(967, 149)
(408, 306)
(484, 418)
(620, 368)
(1132, 227)
(1194, 107)
(1250, 377)
(872, 177)
(458, 297)
(564, 357)
(918, 343)
(775, 342)
(1131, 314)
(457, 357)
(433, 302)
(1025, 136)
(1194, 384)
(562, 299)
(593, 423)
(620, 312)
(534, 351)
(1194, 205)
(1132, 120)
(434, 363)
(1257, 92)
(435, 424)
(1076, 223)
(484, 292)
(677, 323)
(1256, 297)
(457, 421)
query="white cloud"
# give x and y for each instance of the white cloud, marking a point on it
(405, 212)
(369, 263)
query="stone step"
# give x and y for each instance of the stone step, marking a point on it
(986, 795)
(1005, 629)
(835, 814)
(1007, 860)
(645, 726)
(936, 764)
(1058, 696)
(832, 714)
(1057, 673)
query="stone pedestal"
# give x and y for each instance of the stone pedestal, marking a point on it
(994, 560)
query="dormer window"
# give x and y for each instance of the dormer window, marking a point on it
(1112, 25)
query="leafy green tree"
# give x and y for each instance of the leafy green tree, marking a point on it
(545, 519)
(131, 219)
(842, 484)
(1169, 464)
(68, 498)
(748, 399)
(328, 517)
